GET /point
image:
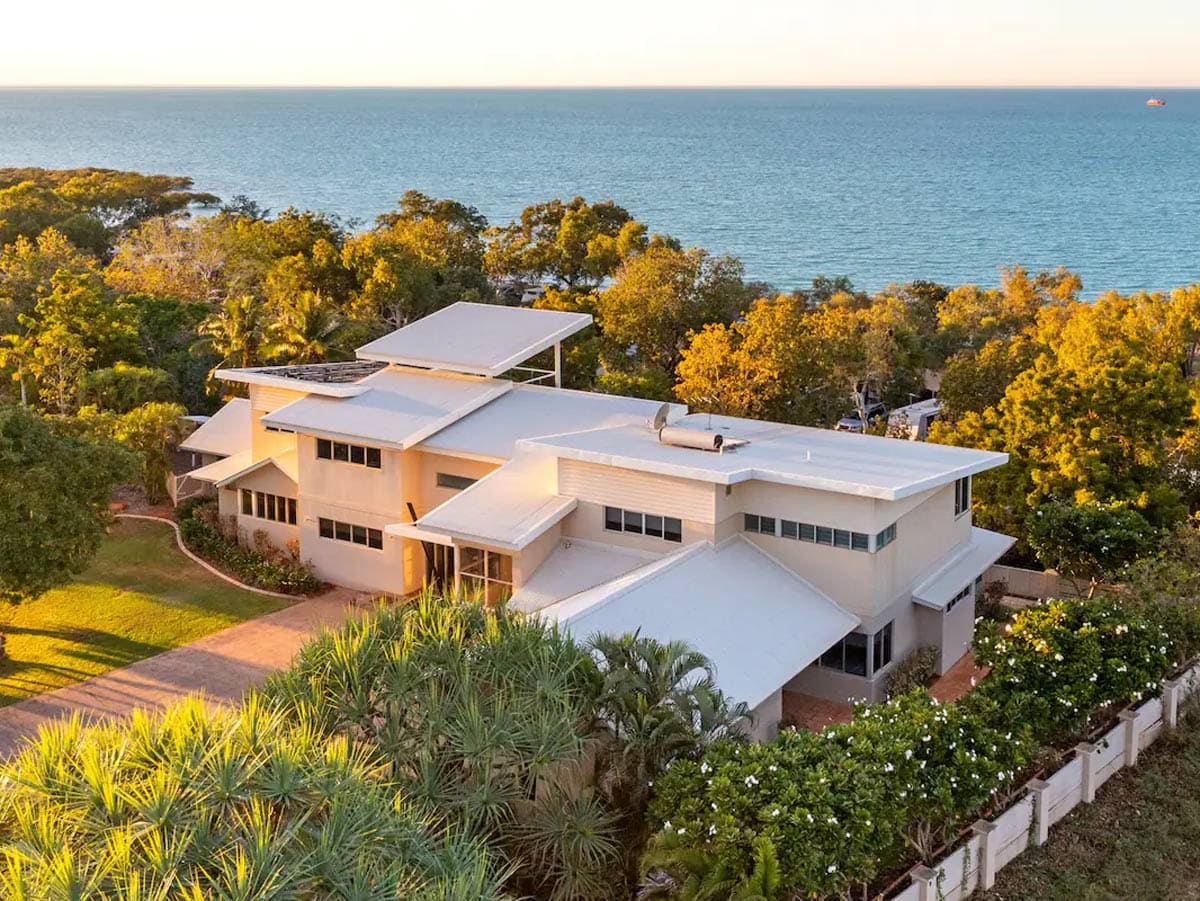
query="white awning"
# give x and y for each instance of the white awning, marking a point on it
(228, 470)
(507, 508)
(966, 565)
(223, 434)
(759, 623)
(476, 338)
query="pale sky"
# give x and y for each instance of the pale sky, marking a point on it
(1153, 43)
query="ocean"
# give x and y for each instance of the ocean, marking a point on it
(881, 185)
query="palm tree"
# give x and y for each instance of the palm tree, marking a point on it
(235, 332)
(658, 701)
(309, 330)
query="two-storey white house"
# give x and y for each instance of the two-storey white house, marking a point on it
(796, 558)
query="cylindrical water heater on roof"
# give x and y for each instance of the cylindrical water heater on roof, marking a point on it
(673, 435)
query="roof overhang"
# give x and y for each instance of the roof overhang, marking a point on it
(265, 379)
(228, 470)
(963, 567)
(474, 338)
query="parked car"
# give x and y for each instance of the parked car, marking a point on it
(875, 411)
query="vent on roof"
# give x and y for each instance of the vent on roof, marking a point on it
(680, 437)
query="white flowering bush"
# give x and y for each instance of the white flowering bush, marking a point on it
(840, 807)
(1062, 664)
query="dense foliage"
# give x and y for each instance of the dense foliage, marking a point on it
(511, 730)
(195, 803)
(53, 503)
(842, 806)
(272, 573)
(855, 802)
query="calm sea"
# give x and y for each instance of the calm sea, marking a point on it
(882, 185)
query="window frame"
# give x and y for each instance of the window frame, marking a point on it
(454, 482)
(962, 496)
(647, 525)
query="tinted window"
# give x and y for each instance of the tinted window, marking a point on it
(374, 458)
(324, 448)
(358, 454)
(341, 452)
(633, 522)
(673, 530)
(612, 519)
(325, 527)
(654, 525)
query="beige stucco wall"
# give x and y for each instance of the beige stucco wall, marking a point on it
(426, 465)
(766, 717)
(353, 565)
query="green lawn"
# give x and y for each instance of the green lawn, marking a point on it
(1137, 842)
(140, 596)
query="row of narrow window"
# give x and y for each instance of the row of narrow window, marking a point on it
(667, 528)
(340, 452)
(344, 531)
(859, 654)
(827, 535)
(269, 506)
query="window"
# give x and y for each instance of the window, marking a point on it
(666, 527)
(458, 483)
(370, 457)
(344, 531)
(962, 495)
(886, 537)
(850, 655)
(882, 646)
(269, 506)
(487, 572)
(958, 597)
(275, 428)
(804, 531)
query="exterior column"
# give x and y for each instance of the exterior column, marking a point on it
(987, 853)
(1086, 753)
(1170, 702)
(558, 364)
(1128, 719)
(1040, 790)
(925, 879)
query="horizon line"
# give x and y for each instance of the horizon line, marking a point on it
(584, 87)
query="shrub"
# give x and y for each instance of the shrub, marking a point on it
(195, 803)
(914, 671)
(205, 540)
(1057, 665)
(842, 806)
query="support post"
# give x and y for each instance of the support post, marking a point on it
(987, 853)
(925, 879)
(558, 364)
(1040, 790)
(1170, 702)
(1086, 752)
(1128, 719)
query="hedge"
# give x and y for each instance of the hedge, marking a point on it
(205, 540)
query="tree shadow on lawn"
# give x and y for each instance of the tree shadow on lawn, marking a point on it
(103, 650)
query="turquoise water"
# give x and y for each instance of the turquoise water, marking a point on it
(883, 185)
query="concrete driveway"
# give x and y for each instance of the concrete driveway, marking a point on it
(222, 666)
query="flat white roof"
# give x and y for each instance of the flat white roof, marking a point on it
(848, 463)
(508, 508)
(759, 623)
(224, 433)
(396, 408)
(530, 411)
(963, 567)
(476, 338)
(576, 566)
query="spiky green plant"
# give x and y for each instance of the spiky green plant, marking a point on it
(238, 805)
(478, 714)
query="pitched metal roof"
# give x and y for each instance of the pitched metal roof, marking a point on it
(225, 433)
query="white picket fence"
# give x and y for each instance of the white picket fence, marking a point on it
(995, 843)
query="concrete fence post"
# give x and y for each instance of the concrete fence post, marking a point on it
(987, 853)
(1040, 789)
(1172, 688)
(1133, 740)
(925, 879)
(1086, 752)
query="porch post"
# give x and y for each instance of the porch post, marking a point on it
(558, 364)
